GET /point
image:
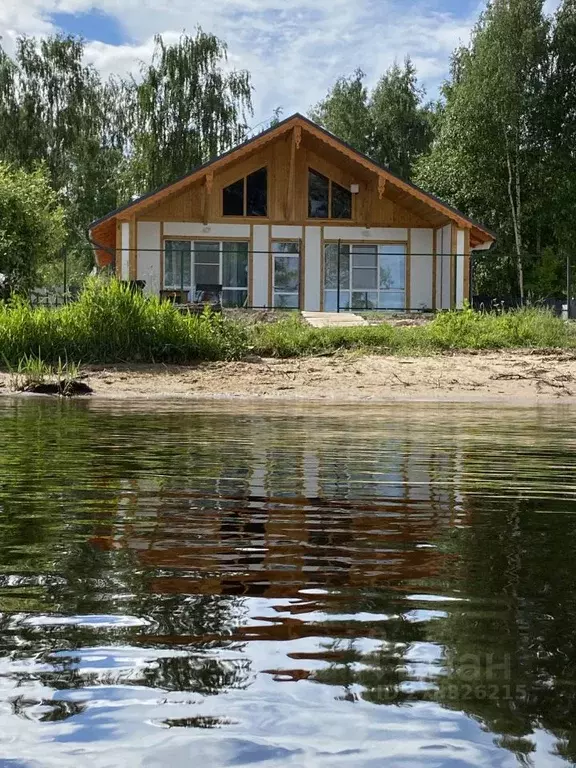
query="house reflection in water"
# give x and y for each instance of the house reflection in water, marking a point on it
(256, 514)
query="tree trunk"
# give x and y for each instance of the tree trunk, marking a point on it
(514, 196)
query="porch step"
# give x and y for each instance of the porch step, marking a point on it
(333, 319)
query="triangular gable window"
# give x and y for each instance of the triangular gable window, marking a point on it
(247, 196)
(326, 199)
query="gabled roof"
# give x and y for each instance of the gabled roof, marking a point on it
(480, 234)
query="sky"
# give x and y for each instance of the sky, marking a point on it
(294, 49)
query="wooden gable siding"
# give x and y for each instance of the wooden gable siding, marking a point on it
(368, 208)
(184, 206)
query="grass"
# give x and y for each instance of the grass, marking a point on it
(110, 324)
(33, 372)
(465, 330)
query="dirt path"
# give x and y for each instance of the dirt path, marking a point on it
(498, 376)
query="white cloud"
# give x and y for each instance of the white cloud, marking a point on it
(294, 49)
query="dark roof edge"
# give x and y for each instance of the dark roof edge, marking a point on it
(193, 172)
(270, 130)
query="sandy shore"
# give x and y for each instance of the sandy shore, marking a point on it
(486, 377)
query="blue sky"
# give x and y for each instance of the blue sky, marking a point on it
(294, 49)
(92, 25)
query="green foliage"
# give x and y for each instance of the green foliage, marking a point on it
(103, 141)
(187, 109)
(31, 225)
(402, 123)
(110, 324)
(56, 109)
(523, 328)
(448, 331)
(392, 125)
(493, 151)
(345, 112)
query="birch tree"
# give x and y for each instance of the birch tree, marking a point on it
(489, 157)
(56, 110)
(187, 108)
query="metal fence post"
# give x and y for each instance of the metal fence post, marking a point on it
(471, 278)
(338, 278)
(568, 287)
(65, 276)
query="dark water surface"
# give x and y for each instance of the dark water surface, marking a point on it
(225, 585)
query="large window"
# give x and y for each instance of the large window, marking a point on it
(286, 280)
(192, 263)
(326, 199)
(247, 196)
(371, 276)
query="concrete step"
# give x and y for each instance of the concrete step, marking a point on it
(333, 319)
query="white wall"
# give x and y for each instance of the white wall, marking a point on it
(421, 268)
(362, 233)
(149, 254)
(125, 260)
(260, 263)
(422, 242)
(312, 269)
(197, 229)
(460, 245)
(286, 232)
(443, 247)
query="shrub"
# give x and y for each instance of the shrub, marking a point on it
(32, 230)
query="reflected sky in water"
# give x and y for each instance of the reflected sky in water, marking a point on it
(234, 585)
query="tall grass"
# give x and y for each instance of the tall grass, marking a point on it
(110, 324)
(465, 330)
(32, 372)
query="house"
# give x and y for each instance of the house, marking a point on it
(294, 218)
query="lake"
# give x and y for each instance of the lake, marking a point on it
(279, 585)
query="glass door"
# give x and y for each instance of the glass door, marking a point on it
(364, 276)
(286, 274)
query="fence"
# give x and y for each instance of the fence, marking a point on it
(352, 277)
(343, 277)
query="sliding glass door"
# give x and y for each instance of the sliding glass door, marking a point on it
(370, 276)
(189, 264)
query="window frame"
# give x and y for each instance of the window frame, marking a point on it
(346, 293)
(244, 180)
(220, 240)
(330, 183)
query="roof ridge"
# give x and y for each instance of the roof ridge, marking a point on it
(276, 128)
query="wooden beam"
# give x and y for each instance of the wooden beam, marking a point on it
(381, 186)
(207, 196)
(132, 253)
(369, 204)
(297, 135)
(296, 138)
